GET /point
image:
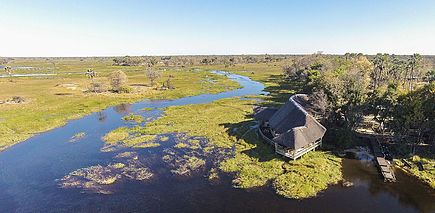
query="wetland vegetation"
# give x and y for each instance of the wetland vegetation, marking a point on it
(52, 101)
(219, 139)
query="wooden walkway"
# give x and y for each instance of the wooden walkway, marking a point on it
(384, 166)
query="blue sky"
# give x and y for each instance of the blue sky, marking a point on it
(127, 27)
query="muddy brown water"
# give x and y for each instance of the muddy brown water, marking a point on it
(30, 173)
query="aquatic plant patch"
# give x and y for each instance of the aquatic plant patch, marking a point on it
(309, 175)
(190, 155)
(133, 118)
(78, 136)
(97, 179)
(230, 134)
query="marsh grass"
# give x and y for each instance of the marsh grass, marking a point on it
(202, 120)
(78, 136)
(48, 110)
(146, 145)
(129, 137)
(98, 178)
(308, 176)
(134, 118)
(116, 136)
(226, 124)
(164, 138)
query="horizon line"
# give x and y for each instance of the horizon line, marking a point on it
(244, 54)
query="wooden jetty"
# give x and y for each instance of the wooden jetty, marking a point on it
(384, 166)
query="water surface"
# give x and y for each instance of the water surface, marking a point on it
(30, 172)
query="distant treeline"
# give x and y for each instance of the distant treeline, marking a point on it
(227, 60)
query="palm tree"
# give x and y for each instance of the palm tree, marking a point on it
(91, 74)
(413, 70)
(8, 71)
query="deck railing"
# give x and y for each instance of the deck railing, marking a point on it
(290, 153)
(295, 154)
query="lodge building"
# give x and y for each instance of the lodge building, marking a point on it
(290, 129)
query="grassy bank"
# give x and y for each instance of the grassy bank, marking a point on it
(51, 102)
(427, 175)
(271, 75)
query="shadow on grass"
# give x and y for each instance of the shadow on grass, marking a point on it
(279, 90)
(254, 147)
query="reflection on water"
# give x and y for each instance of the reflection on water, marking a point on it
(101, 116)
(47, 173)
(122, 108)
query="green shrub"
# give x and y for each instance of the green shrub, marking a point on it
(125, 89)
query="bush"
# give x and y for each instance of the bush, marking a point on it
(152, 76)
(125, 89)
(97, 87)
(341, 138)
(118, 81)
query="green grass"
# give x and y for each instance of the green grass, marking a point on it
(50, 104)
(134, 118)
(225, 123)
(116, 136)
(427, 175)
(311, 174)
(196, 120)
(130, 138)
(146, 145)
(164, 138)
(181, 145)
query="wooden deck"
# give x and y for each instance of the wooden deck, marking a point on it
(292, 154)
(384, 166)
(295, 154)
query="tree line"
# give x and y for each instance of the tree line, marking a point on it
(184, 61)
(397, 92)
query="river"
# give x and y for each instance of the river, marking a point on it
(30, 172)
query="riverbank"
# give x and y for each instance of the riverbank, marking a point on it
(426, 175)
(51, 102)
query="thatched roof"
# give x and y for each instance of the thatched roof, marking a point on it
(263, 113)
(295, 128)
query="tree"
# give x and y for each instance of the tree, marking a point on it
(8, 71)
(168, 83)
(413, 71)
(430, 76)
(151, 62)
(396, 70)
(128, 61)
(319, 104)
(91, 74)
(300, 67)
(381, 104)
(95, 86)
(414, 116)
(381, 64)
(152, 76)
(118, 81)
(346, 88)
(54, 65)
